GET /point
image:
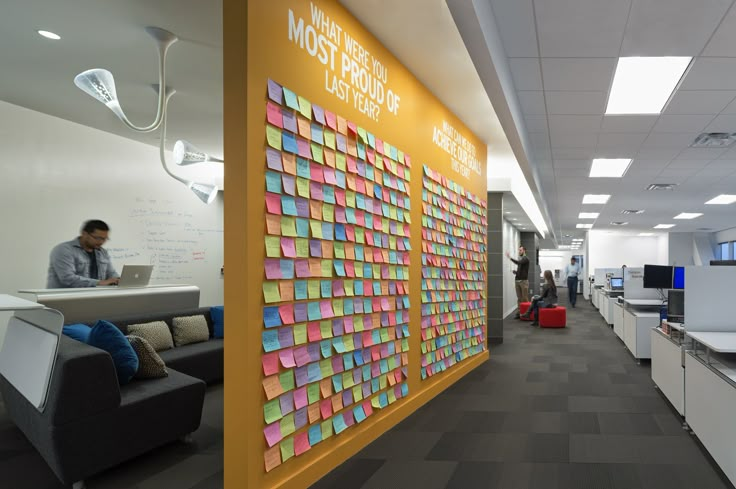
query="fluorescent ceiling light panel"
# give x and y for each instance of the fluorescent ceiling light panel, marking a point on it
(609, 167)
(688, 215)
(646, 234)
(723, 199)
(584, 226)
(588, 215)
(664, 226)
(642, 85)
(49, 35)
(595, 199)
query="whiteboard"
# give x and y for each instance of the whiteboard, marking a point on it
(57, 174)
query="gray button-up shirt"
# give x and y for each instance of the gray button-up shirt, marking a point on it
(69, 266)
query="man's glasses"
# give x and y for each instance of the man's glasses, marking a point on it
(99, 239)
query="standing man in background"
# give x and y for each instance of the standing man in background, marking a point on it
(571, 272)
(82, 262)
(522, 278)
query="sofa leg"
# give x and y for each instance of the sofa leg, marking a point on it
(79, 485)
(184, 439)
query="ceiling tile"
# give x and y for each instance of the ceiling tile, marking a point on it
(730, 154)
(515, 21)
(574, 123)
(730, 108)
(573, 74)
(659, 28)
(571, 172)
(581, 28)
(536, 123)
(669, 140)
(623, 142)
(573, 164)
(675, 175)
(573, 153)
(682, 123)
(716, 172)
(724, 39)
(628, 123)
(525, 73)
(643, 164)
(562, 139)
(700, 154)
(711, 74)
(687, 164)
(532, 102)
(593, 103)
(722, 123)
(539, 140)
(724, 164)
(699, 101)
(657, 154)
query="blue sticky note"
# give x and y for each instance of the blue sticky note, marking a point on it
(313, 311)
(404, 389)
(376, 288)
(347, 308)
(347, 362)
(287, 269)
(291, 99)
(271, 340)
(375, 385)
(358, 357)
(288, 205)
(358, 287)
(340, 179)
(326, 288)
(273, 182)
(300, 290)
(337, 383)
(338, 424)
(325, 347)
(271, 317)
(359, 414)
(370, 173)
(288, 142)
(359, 254)
(302, 168)
(367, 270)
(340, 232)
(350, 215)
(339, 268)
(369, 221)
(406, 330)
(329, 194)
(315, 434)
(317, 134)
(302, 227)
(328, 231)
(313, 372)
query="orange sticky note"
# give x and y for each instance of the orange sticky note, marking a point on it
(325, 387)
(342, 125)
(272, 387)
(289, 162)
(329, 157)
(337, 402)
(273, 224)
(272, 458)
(304, 126)
(313, 412)
(327, 249)
(286, 289)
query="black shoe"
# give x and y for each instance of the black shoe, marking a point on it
(518, 316)
(535, 323)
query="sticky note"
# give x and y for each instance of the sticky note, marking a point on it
(273, 159)
(272, 387)
(273, 434)
(273, 269)
(288, 205)
(272, 411)
(271, 317)
(273, 137)
(271, 292)
(270, 340)
(305, 107)
(287, 449)
(275, 91)
(288, 140)
(270, 363)
(273, 115)
(288, 226)
(291, 99)
(286, 290)
(288, 247)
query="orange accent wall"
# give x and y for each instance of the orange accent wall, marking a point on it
(256, 48)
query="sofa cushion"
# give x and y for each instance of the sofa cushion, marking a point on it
(156, 333)
(204, 361)
(190, 329)
(79, 332)
(150, 365)
(106, 336)
(217, 313)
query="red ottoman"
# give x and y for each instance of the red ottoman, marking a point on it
(553, 317)
(523, 307)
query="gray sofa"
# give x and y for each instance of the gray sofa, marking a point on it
(91, 423)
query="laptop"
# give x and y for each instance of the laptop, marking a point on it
(135, 275)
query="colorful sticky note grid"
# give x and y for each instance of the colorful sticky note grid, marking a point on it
(453, 274)
(336, 275)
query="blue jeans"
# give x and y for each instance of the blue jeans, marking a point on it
(535, 305)
(572, 289)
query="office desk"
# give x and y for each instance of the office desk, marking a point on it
(608, 298)
(12, 303)
(637, 331)
(643, 302)
(618, 319)
(668, 367)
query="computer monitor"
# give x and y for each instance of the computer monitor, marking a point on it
(678, 280)
(617, 283)
(676, 304)
(657, 277)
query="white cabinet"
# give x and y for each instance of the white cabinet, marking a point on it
(667, 369)
(618, 320)
(637, 335)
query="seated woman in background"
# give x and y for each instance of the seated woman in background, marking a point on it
(547, 299)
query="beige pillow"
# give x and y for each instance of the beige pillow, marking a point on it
(190, 329)
(156, 333)
(150, 365)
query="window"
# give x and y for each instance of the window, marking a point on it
(724, 250)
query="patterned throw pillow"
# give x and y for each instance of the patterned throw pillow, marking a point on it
(190, 329)
(150, 365)
(156, 333)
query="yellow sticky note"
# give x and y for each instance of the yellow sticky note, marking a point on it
(337, 307)
(349, 288)
(328, 212)
(288, 226)
(305, 107)
(302, 187)
(326, 367)
(271, 292)
(327, 268)
(325, 328)
(350, 198)
(316, 227)
(273, 136)
(329, 138)
(300, 334)
(313, 289)
(302, 248)
(287, 425)
(287, 449)
(357, 393)
(340, 161)
(273, 246)
(348, 342)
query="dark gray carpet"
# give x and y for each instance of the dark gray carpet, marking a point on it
(198, 465)
(552, 409)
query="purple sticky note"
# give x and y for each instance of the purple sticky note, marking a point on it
(315, 248)
(347, 400)
(337, 366)
(275, 92)
(286, 337)
(302, 207)
(302, 376)
(286, 401)
(358, 341)
(300, 418)
(319, 114)
(289, 119)
(273, 159)
(300, 398)
(303, 148)
(273, 268)
(301, 356)
(367, 389)
(356, 376)
(289, 183)
(314, 351)
(337, 326)
(302, 271)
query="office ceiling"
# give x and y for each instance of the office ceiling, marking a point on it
(562, 56)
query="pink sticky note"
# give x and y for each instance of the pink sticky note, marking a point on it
(325, 408)
(301, 356)
(314, 332)
(315, 171)
(273, 434)
(303, 148)
(273, 203)
(288, 247)
(270, 363)
(301, 443)
(273, 268)
(273, 115)
(329, 174)
(287, 358)
(331, 120)
(286, 311)
(325, 308)
(348, 323)
(300, 397)
(302, 268)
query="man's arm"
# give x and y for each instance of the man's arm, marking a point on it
(62, 262)
(111, 273)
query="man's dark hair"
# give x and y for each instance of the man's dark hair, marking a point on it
(574, 259)
(94, 224)
(523, 248)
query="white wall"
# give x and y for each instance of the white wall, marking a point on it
(725, 235)
(57, 174)
(511, 241)
(614, 250)
(680, 249)
(558, 259)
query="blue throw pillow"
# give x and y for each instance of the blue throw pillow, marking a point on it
(79, 332)
(106, 336)
(217, 313)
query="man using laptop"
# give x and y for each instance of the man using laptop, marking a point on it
(82, 262)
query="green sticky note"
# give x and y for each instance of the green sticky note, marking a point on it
(317, 153)
(300, 334)
(327, 268)
(359, 235)
(326, 429)
(316, 227)
(350, 198)
(313, 289)
(328, 213)
(337, 307)
(272, 411)
(286, 425)
(305, 107)
(329, 138)
(358, 323)
(302, 248)
(273, 246)
(288, 226)
(286, 379)
(349, 289)
(313, 393)
(340, 161)
(287, 449)
(271, 292)
(325, 328)
(273, 136)
(302, 187)
(340, 250)
(325, 366)
(357, 393)
(347, 340)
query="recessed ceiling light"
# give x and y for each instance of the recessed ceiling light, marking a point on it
(662, 186)
(584, 226)
(664, 226)
(687, 215)
(646, 234)
(595, 199)
(619, 223)
(632, 211)
(588, 215)
(49, 35)
(723, 199)
(642, 85)
(609, 167)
